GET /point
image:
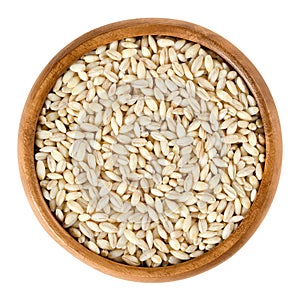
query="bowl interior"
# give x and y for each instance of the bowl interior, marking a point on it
(133, 28)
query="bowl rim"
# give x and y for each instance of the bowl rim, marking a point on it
(132, 28)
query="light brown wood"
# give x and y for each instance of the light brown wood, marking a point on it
(138, 27)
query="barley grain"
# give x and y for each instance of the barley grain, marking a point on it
(150, 150)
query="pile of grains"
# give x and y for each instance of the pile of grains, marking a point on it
(150, 150)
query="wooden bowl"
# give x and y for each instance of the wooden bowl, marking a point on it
(139, 27)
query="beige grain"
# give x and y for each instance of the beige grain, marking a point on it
(150, 150)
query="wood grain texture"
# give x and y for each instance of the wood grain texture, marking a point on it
(138, 27)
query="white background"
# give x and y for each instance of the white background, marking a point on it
(33, 266)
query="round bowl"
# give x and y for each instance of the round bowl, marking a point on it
(132, 28)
